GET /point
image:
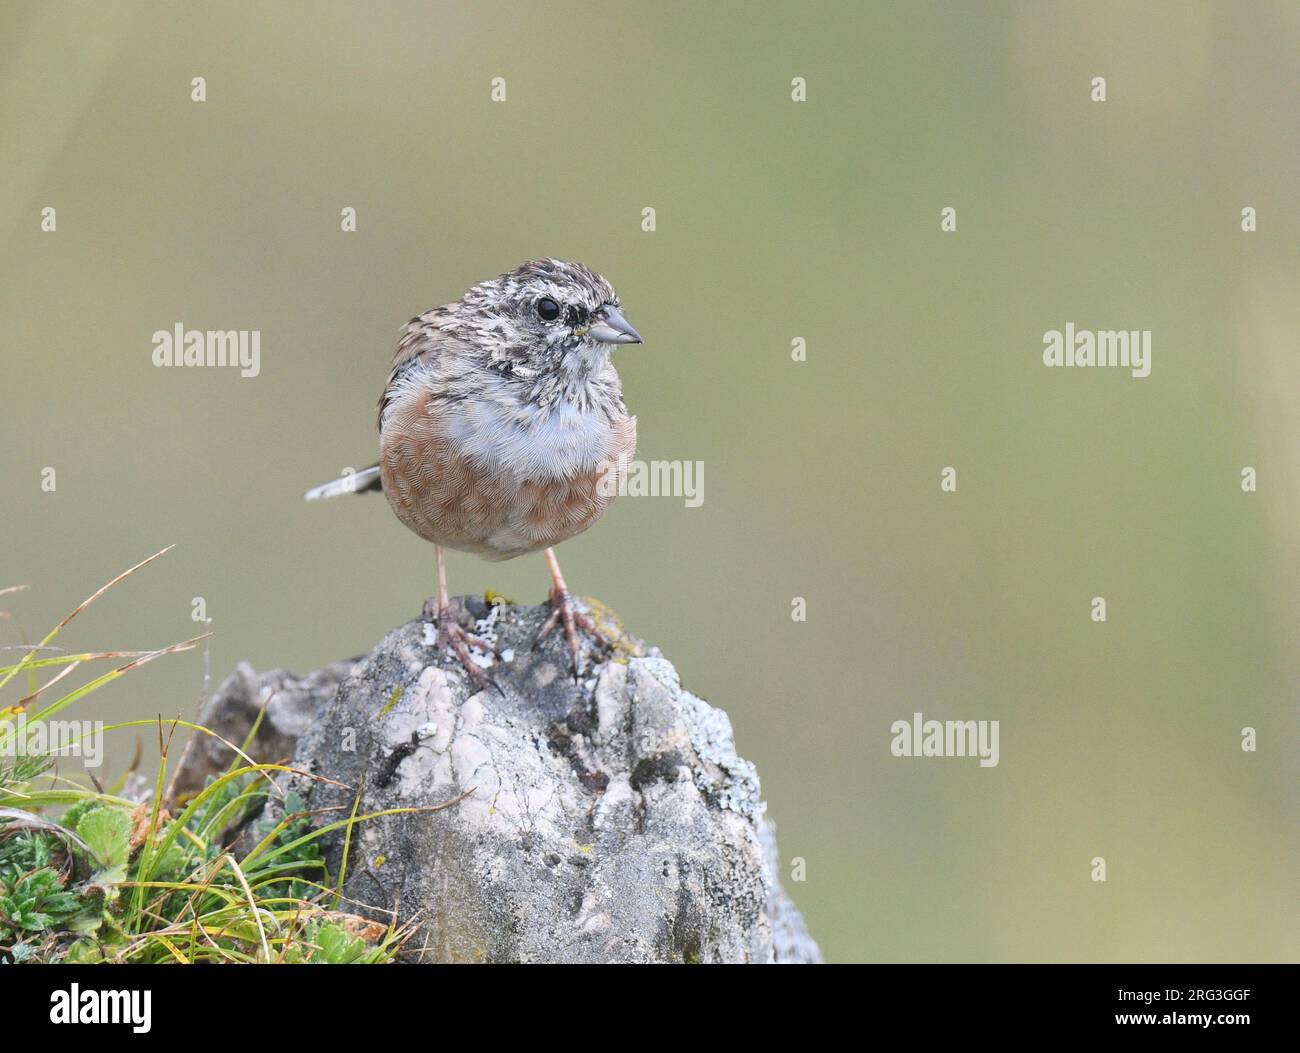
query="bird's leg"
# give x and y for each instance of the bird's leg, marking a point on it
(564, 610)
(450, 633)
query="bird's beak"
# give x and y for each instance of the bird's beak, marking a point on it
(613, 328)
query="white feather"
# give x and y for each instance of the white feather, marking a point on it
(344, 484)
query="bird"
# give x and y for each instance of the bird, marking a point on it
(503, 431)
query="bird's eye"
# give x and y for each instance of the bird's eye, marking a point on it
(547, 309)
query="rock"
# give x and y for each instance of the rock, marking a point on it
(291, 703)
(609, 820)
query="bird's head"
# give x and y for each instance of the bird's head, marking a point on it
(545, 316)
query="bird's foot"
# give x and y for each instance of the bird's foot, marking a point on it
(564, 611)
(453, 637)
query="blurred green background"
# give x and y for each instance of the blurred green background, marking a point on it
(775, 220)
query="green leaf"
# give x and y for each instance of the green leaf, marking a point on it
(79, 811)
(337, 946)
(108, 833)
(109, 876)
(87, 923)
(34, 921)
(85, 952)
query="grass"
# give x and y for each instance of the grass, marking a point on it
(101, 874)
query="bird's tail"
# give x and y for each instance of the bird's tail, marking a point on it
(348, 483)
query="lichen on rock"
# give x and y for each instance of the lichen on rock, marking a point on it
(607, 820)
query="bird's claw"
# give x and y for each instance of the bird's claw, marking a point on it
(453, 637)
(564, 610)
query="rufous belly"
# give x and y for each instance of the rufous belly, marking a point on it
(458, 501)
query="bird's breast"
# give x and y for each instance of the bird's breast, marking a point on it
(532, 444)
(485, 476)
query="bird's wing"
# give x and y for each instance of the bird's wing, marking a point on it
(414, 348)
